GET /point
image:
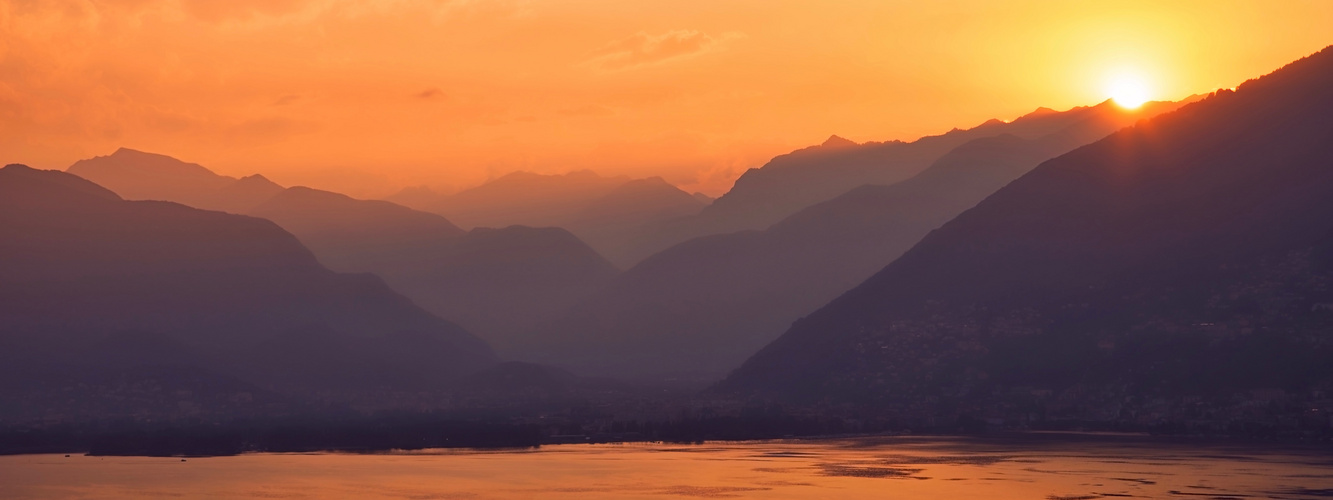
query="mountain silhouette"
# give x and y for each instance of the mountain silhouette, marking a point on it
(518, 198)
(791, 182)
(496, 283)
(505, 282)
(81, 267)
(1185, 257)
(614, 222)
(354, 235)
(701, 307)
(609, 213)
(137, 175)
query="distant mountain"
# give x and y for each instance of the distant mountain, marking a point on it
(606, 212)
(519, 198)
(791, 182)
(519, 278)
(505, 282)
(354, 235)
(1176, 270)
(137, 175)
(614, 222)
(701, 307)
(243, 195)
(497, 283)
(212, 295)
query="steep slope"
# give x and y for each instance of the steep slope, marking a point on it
(1161, 272)
(505, 282)
(532, 272)
(494, 282)
(136, 175)
(80, 267)
(793, 181)
(354, 235)
(612, 222)
(702, 307)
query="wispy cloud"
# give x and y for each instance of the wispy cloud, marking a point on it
(431, 93)
(644, 49)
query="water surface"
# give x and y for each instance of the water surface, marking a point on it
(892, 468)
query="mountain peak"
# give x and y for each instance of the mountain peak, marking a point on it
(20, 183)
(1040, 111)
(834, 141)
(256, 181)
(127, 154)
(146, 175)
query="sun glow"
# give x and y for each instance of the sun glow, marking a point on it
(1129, 90)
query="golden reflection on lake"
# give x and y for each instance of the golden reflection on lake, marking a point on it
(894, 468)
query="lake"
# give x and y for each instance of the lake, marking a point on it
(1047, 468)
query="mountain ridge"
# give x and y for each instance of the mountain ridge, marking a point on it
(700, 307)
(796, 180)
(608, 213)
(1175, 259)
(147, 279)
(417, 253)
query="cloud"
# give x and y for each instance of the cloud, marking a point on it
(644, 49)
(431, 93)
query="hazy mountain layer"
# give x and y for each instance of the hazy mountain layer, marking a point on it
(791, 182)
(359, 235)
(498, 284)
(1190, 256)
(614, 223)
(609, 213)
(92, 284)
(700, 308)
(136, 175)
(519, 198)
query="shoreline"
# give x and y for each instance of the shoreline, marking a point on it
(1011, 438)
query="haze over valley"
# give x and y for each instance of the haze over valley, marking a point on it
(321, 241)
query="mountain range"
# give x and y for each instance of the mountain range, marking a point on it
(606, 212)
(701, 307)
(497, 283)
(1184, 262)
(1168, 263)
(137, 175)
(116, 301)
(794, 181)
(694, 310)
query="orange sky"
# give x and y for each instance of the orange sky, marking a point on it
(364, 96)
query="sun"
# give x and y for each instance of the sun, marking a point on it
(1129, 90)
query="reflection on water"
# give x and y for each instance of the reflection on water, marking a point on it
(899, 468)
